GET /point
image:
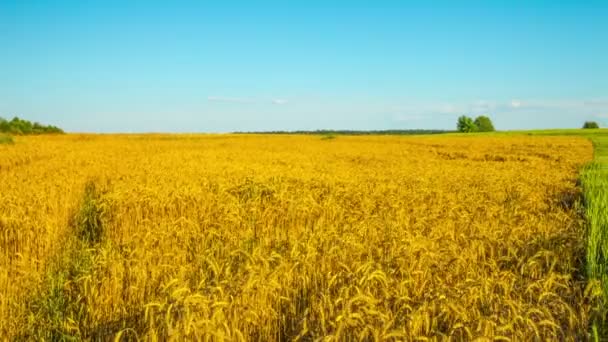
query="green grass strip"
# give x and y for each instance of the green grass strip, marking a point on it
(595, 188)
(594, 180)
(60, 312)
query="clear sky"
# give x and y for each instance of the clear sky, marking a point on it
(202, 66)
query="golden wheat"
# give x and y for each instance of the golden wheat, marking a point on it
(242, 237)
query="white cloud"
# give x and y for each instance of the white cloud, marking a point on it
(279, 101)
(572, 107)
(516, 104)
(567, 105)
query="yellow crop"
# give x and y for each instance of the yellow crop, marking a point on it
(243, 237)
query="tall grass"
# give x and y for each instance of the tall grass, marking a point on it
(595, 185)
(63, 296)
(594, 179)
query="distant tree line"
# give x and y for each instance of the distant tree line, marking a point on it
(482, 123)
(590, 125)
(18, 126)
(355, 132)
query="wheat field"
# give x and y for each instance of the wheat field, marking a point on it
(280, 238)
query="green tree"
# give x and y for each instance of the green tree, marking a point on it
(18, 126)
(4, 125)
(484, 124)
(466, 124)
(590, 124)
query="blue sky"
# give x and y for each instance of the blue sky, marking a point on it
(199, 66)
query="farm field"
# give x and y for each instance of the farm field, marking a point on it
(262, 237)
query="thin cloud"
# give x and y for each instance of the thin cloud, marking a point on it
(558, 104)
(524, 105)
(279, 102)
(482, 106)
(419, 111)
(596, 103)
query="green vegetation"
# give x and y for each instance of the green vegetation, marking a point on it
(6, 139)
(88, 221)
(18, 126)
(328, 136)
(466, 125)
(585, 133)
(58, 303)
(594, 179)
(482, 123)
(595, 189)
(590, 125)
